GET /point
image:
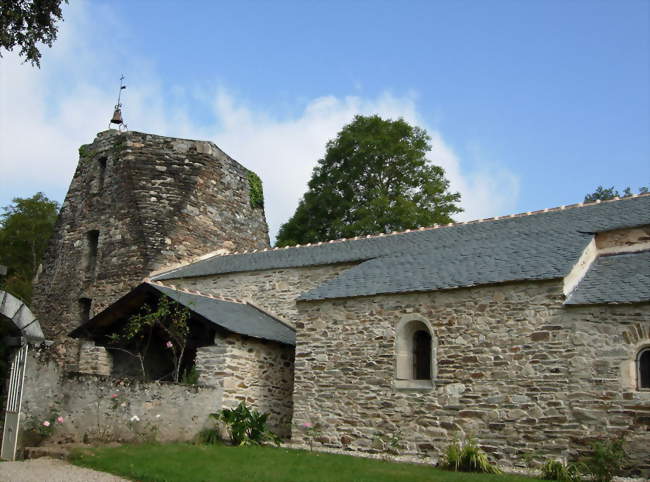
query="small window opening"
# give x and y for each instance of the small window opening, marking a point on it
(643, 368)
(84, 309)
(91, 257)
(422, 355)
(102, 171)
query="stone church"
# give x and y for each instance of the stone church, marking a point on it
(529, 332)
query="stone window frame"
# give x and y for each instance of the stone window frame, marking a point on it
(630, 369)
(404, 376)
(645, 348)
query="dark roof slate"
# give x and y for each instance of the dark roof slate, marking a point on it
(235, 317)
(239, 318)
(543, 245)
(621, 278)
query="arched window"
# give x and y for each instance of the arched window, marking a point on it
(415, 349)
(643, 368)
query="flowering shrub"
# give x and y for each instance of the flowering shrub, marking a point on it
(120, 421)
(43, 428)
(312, 432)
(119, 402)
(136, 337)
(144, 431)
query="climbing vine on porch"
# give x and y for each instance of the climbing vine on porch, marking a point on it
(169, 319)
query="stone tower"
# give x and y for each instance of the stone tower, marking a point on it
(139, 202)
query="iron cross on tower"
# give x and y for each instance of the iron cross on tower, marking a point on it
(117, 114)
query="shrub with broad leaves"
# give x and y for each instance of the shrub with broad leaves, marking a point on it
(246, 426)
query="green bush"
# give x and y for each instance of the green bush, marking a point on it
(256, 191)
(246, 426)
(190, 376)
(209, 436)
(607, 460)
(556, 470)
(468, 457)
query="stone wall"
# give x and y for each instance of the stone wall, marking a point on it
(138, 202)
(94, 360)
(257, 372)
(515, 368)
(272, 290)
(256, 377)
(101, 408)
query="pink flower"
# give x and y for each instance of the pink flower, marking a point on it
(169, 344)
(307, 425)
(46, 424)
(59, 419)
(114, 395)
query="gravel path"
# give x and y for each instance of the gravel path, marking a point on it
(51, 470)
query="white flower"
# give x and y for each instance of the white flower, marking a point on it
(158, 416)
(135, 418)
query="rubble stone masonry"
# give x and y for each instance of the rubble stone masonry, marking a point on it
(257, 372)
(139, 202)
(101, 409)
(516, 368)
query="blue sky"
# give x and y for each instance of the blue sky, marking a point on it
(530, 104)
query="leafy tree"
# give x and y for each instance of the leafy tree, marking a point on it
(373, 179)
(25, 228)
(603, 194)
(169, 319)
(24, 23)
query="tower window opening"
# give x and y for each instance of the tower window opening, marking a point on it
(102, 172)
(84, 309)
(91, 256)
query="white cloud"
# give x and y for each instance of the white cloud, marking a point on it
(47, 114)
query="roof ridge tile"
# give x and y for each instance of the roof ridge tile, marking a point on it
(197, 292)
(217, 254)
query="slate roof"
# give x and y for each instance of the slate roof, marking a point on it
(239, 318)
(541, 245)
(233, 316)
(622, 278)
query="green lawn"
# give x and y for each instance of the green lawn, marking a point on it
(185, 462)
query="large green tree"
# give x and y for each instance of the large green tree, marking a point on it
(26, 23)
(25, 228)
(374, 178)
(605, 193)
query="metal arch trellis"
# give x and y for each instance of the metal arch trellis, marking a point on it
(14, 403)
(26, 323)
